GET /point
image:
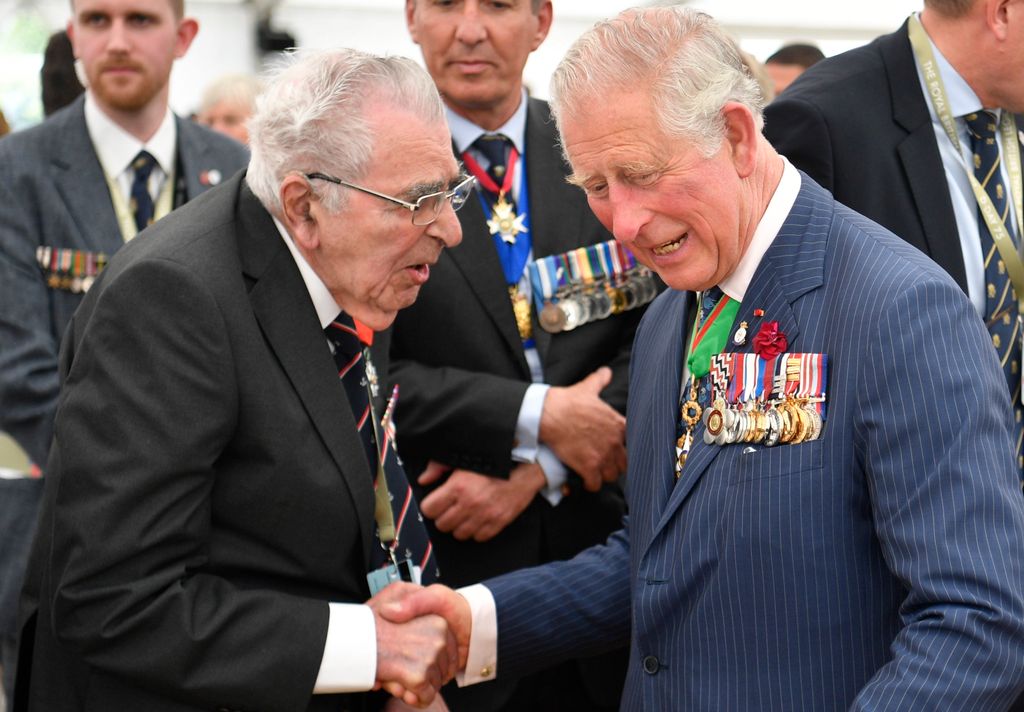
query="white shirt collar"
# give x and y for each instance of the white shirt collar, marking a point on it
(779, 207)
(327, 309)
(116, 148)
(465, 132)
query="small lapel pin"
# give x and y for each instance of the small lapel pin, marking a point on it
(759, 312)
(210, 177)
(740, 337)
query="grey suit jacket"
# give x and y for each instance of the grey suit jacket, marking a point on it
(879, 567)
(207, 492)
(53, 193)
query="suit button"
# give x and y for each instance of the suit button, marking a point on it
(651, 665)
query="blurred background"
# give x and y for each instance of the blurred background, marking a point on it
(239, 36)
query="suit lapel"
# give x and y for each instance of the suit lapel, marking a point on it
(792, 266)
(198, 157)
(920, 157)
(79, 180)
(286, 316)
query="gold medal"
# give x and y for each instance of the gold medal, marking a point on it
(521, 310)
(504, 221)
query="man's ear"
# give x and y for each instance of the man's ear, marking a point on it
(410, 20)
(741, 134)
(298, 211)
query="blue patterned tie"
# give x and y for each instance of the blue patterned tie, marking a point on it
(495, 148)
(1001, 306)
(412, 540)
(141, 200)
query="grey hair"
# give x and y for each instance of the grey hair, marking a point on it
(690, 66)
(310, 117)
(240, 89)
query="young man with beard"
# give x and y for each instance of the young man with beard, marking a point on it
(72, 191)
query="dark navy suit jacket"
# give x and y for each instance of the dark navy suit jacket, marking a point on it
(880, 567)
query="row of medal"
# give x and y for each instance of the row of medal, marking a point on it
(68, 269)
(780, 400)
(588, 284)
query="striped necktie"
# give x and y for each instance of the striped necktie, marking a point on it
(411, 539)
(1001, 306)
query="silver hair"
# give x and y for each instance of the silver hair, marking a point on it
(690, 66)
(310, 117)
(240, 89)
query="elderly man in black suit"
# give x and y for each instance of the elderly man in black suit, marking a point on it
(208, 519)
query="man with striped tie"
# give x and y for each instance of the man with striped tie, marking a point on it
(223, 498)
(824, 512)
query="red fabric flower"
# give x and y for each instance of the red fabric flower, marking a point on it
(769, 342)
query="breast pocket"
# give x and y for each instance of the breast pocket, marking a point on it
(757, 462)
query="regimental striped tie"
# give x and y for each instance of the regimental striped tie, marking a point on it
(412, 540)
(141, 199)
(1001, 305)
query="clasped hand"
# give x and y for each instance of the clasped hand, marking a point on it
(422, 640)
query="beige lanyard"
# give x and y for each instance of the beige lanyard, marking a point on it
(125, 219)
(1011, 156)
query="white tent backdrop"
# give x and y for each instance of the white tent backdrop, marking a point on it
(226, 41)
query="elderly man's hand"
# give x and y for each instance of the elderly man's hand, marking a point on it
(586, 433)
(475, 506)
(415, 655)
(434, 600)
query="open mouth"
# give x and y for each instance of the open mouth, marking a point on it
(419, 273)
(669, 247)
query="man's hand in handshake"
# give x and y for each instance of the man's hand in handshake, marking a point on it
(422, 639)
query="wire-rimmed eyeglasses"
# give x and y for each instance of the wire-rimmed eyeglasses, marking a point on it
(426, 208)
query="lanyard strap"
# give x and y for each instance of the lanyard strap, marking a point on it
(382, 511)
(1011, 155)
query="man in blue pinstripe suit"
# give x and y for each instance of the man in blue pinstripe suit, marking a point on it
(876, 565)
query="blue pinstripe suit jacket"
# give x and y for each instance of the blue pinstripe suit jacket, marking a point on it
(880, 567)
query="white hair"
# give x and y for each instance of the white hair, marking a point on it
(239, 89)
(310, 117)
(681, 56)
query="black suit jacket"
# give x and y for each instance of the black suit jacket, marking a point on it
(459, 360)
(858, 123)
(207, 493)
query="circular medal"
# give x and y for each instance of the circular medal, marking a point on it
(649, 289)
(571, 309)
(552, 319)
(773, 428)
(618, 300)
(602, 304)
(816, 422)
(715, 424)
(803, 423)
(629, 294)
(586, 308)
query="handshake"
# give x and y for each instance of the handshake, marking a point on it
(422, 640)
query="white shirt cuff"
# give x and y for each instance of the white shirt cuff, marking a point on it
(554, 472)
(350, 653)
(528, 423)
(482, 663)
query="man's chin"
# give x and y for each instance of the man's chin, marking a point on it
(122, 98)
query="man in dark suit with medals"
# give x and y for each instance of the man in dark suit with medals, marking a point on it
(515, 432)
(73, 190)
